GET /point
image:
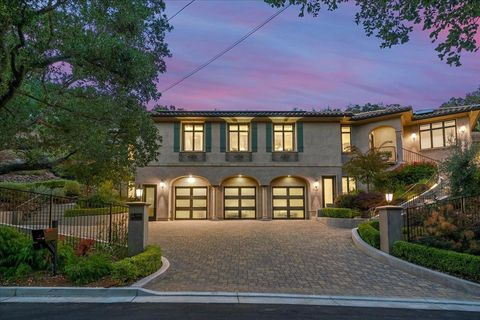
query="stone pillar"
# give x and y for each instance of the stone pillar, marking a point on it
(265, 202)
(137, 227)
(215, 198)
(399, 143)
(390, 226)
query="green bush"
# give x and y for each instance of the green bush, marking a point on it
(369, 233)
(459, 264)
(77, 212)
(346, 200)
(361, 201)
(14, 185)
(88, 269)
(65, 255)
(138, 266)
(16, 253)
(71, 188)
(339, 213)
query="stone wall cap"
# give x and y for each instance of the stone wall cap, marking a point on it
(389, 207)
(138, 203)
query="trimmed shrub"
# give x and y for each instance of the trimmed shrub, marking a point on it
(362, 201)
(339, 213)
(455, 263)
(138, 266)
(71, 188)
(346, 200)
(17, 255)
(76, 212)
(89, 268)
(369, 233)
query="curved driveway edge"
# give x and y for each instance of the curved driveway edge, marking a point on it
(439, 277)
(142, 282)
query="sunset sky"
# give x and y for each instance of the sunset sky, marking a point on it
(308, 62)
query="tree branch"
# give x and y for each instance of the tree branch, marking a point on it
(40, 165)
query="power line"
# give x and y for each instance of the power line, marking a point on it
(183, 8)
(226, 50)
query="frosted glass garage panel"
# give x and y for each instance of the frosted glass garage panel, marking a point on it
(279, 214)
(248, 214)
(231, 192)
(199, 203)
(296, 191)
(248, 202)
(296, 202)
(248, 191)
(199, 214)
(183, 191)
(279, 191)
(182, 214)
(229, 214)
(280, 202)
(199, 191)
(185, 203)
(231, 203)
(297, 214)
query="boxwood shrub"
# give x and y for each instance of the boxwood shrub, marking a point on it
(460, 264)
(139, 266)
(369, 233)
(339, 213)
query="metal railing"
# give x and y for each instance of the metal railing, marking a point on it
(423, 221)
(410, 156)
(95, 222)
(390, 153)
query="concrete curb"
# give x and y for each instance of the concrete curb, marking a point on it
(142, 282)
(342, 223)
(139, 295)
(439, 277)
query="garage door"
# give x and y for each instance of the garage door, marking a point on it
(190, 203)
(288, 202)
(239, 202)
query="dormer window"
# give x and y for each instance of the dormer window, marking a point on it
(193, 137)
(283, 137)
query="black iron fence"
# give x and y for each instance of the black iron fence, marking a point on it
(441, 218)
(80, 223)
(410, 156)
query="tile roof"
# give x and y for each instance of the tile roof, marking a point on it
(176, 113)
(378, 113)
(445, 111)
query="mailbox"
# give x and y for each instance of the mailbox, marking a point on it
(47, 238)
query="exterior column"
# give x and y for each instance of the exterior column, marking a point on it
(390, 226)
(399, 142)
(265, 205)
(137, 227)
(214, 192)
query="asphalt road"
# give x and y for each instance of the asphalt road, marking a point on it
(139, 311)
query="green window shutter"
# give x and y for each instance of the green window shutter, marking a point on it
(254, 137)
(208, 137)
(176, 137)
(268, 136)
(223, 136)
(300, 136)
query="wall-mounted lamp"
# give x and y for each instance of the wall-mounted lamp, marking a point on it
(162, 185)
(414, 136)
(139, 192)
(463, 129)
(316, 185)
(190, 179)
(389, 197)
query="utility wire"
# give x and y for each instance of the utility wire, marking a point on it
(183, 8)
(226, 50)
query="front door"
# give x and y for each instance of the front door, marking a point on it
(239, 202)
(150, 196)
(190, 203)
(288, 202)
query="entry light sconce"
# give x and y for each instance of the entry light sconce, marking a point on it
(162, 185)
(389, 197)
(414, 136)
(190, 179)
(139, 192)
(315, 185)
(463, 129)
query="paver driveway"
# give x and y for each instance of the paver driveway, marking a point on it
(279, 257)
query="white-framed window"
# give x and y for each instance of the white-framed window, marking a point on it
(238, 137)
(193, 137)
(438, 134)
(283, 137)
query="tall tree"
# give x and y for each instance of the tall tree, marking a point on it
(453, 24)
(74, 78)
(470, 98)
(366, 167)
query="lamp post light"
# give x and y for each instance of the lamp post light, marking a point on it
(139, 193)
(389, 197)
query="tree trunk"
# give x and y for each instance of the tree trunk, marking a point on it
(40, 165)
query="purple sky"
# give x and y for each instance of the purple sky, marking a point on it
(326, 61)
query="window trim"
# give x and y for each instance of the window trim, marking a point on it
(183, 136)
(349, 134)
(430, 131)
(294, 136)
(229, 144)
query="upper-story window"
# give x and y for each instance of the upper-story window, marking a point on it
(193, 137)
(438, 134)
(346, 139)
(238, 137)
(283, 137)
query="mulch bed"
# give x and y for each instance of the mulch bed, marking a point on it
(45, 279)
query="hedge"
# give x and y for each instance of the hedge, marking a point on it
(369, 233)
(339, 213)
(460, 264)
(139, 266)
(79, 212)
(88, 269)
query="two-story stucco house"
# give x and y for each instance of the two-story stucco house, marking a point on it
(280, 164)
